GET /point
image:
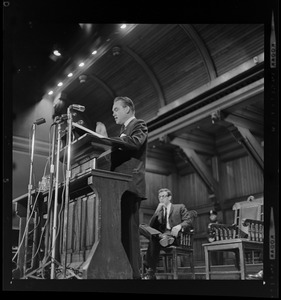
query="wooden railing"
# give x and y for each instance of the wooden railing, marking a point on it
(256, 229)
(185, 238)
(218, 232)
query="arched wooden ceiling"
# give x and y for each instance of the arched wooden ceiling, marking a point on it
(158, 64)
(199, 87)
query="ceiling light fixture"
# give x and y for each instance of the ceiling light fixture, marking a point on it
(83, 78)
(57, 53)
(116, 50)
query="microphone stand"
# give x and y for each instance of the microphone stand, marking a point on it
(68, 174)
(50, 192)
(29, 199)
(55, 204)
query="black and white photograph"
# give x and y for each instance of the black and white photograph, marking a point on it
(141, 148)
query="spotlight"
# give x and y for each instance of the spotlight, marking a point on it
(216, 116)
(116, 51)
(83, 78)
(56, 53)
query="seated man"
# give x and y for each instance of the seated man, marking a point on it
(163, 229)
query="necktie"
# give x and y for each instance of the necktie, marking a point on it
(167, 219)
(122, 129)
(165, 216)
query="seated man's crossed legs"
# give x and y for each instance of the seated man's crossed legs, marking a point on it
(157, 240)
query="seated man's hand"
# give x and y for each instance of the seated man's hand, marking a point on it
(175, 230)
(159, 207)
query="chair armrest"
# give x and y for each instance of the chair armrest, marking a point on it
(185, 238)
(247, 222)
(255, 229)
(217, 232)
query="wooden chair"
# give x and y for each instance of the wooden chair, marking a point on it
(171, 256)
(243, 236)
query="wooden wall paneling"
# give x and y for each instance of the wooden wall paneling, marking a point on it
(76, 225)
(153, 183)
(176, 188)
(90, 223)
(202, 224)
(83, 225)
(78, 231)
(240, 177)
(160, 160)
(228, 148)
(193, 191)
(198, 250)
(160, 167)
(244, 137)
(145, 215)
(201, 167)
(69, 245)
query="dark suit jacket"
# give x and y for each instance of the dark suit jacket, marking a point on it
(131, 159)
(178, 215)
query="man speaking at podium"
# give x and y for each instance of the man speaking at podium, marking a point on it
(130, 161)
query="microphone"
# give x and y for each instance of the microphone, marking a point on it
(60, 119)
(39, 121)
(78, 107)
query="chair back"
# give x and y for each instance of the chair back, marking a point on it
(248, 223)
(250, 209)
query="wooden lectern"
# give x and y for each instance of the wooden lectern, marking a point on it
(94, 249)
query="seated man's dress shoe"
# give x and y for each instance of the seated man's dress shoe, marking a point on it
(166, 241)
(150, 275)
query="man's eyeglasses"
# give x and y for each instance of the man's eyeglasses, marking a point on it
(163, 196)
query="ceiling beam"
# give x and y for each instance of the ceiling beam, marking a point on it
(244, 137)
(193, 143)
(149, 73)
(238, 77)
(245, 123)
(199, 166)
(103, 84)
(204, 111)
(201, 47)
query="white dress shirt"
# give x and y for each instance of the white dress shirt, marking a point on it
(167, 216)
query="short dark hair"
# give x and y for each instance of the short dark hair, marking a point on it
(169, 193)
(126, 102)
